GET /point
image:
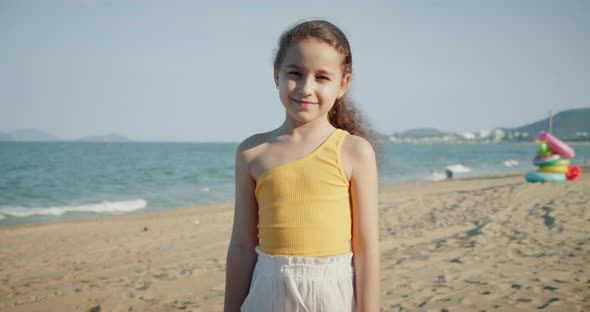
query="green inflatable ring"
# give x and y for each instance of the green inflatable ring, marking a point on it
(544, 153)
(556, 163)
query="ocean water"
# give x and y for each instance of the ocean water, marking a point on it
(50, 181)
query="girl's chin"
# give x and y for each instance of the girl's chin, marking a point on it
(304, 117)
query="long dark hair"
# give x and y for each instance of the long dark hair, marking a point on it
(344, 114)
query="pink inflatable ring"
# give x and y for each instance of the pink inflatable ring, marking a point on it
(556, 145)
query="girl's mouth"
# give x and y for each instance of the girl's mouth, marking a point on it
(303, 103)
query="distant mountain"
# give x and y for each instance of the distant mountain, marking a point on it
(570, 125)
(113, 137)
(4, 136)
(34, 135)
(425, 135)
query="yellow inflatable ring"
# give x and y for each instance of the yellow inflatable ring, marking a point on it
(554, 169)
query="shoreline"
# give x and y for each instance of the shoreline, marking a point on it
(230, 202)
(463, 245)
(585, 169)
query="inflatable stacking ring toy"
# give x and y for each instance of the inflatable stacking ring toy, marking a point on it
(545, 177)
(543, 150)
(554, 169)
(555, 163)
(556, 145)
(573, 172)
(542, 146)
(545, 153)
(562, 163)
(546, 161)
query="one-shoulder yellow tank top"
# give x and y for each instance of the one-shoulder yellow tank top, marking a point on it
(304, 205)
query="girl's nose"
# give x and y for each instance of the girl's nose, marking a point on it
(306, 85)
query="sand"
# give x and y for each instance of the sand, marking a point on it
(494, 243)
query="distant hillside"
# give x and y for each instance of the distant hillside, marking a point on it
(34, 135)
(4, 136)
(113, 137)
(570, 125)
(426, 135)
(423, 133)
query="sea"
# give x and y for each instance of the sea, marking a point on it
(52, 181)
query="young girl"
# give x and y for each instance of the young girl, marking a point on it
(305, 234)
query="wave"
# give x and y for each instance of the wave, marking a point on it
(104, 207)
(441, 174)
(437, 176)
(458, 168)
(510, 163)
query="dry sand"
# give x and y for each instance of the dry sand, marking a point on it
(487, 244)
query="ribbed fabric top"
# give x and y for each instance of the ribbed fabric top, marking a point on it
(304, 205)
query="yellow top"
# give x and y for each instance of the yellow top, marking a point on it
(304, 205)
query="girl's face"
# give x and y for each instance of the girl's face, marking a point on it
(310, 79)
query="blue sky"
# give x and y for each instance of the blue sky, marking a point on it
(191, 71)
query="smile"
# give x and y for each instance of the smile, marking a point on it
(303, 103)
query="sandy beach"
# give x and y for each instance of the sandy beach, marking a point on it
(493, 243)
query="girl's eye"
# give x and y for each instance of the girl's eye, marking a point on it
(323, 78)
(294, 73)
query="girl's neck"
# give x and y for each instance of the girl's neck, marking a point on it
(314, 127)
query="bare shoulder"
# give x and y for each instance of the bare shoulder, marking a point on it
(358, 148)
(356, 153)
(249, 147)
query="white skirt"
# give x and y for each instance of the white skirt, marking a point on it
(301, 284)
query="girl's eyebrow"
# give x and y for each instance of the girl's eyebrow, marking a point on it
(293, 66)
(321, 71)
(325, 72)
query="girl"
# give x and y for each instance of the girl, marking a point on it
(305, 234)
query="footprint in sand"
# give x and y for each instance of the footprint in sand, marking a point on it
(165, 275)
(148, 298)
(440, 279)
(516, 287)
(550, 288)
(186, 272)
(550, 301)
(548, 220)
(128, 295)
(219, 264)
(181, 304)
(142, 285)
(475, 282)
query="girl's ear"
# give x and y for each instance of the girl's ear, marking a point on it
(276, 76)
(344, 84)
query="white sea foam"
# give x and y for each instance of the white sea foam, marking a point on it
(437, 176)
(458, 168)
(510, 163)
(2, 217)
(104, 207)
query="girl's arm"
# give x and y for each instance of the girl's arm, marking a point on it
(365, 225)
(241, 257)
